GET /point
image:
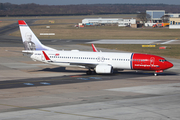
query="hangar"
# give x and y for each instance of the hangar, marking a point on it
(119, 21)
(101, 20)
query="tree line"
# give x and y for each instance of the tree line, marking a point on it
(8, 9)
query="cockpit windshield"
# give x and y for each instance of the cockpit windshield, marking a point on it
(162, 60)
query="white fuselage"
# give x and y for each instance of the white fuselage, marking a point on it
(76, 58)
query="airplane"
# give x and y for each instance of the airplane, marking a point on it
(98, 62)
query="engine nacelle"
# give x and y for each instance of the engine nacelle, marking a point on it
(104, 69)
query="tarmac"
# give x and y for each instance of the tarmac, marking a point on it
(33, 90)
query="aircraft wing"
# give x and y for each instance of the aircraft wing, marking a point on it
(87, 65)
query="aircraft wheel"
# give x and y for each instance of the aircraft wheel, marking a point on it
(155, 74)
(89, 72)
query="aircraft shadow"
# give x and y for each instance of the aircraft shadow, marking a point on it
(133, 72)
(62, 69)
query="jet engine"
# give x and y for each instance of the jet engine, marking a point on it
(104, 69)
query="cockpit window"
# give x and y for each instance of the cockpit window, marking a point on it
(161, 60)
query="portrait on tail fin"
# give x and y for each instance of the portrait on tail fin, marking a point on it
(30, 41)
(28, 44)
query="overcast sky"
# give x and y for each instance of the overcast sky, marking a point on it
(67, 2)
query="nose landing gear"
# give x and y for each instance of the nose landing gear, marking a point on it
(155, 74)
(158, 71)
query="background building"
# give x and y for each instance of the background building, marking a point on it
(101, 20)
(173, 15)
(126, 22)
(155, 15)
(174, 23)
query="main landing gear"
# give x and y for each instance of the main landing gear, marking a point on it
(89, 72)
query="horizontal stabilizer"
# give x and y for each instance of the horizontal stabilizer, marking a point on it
(28, 51)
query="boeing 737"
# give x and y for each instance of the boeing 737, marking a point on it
(99, 62)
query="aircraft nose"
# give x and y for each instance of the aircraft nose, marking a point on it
(169, 64)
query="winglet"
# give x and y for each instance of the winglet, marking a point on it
(94, 48)
(45, 55)
(22, 22)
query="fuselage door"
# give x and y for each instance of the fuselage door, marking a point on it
(152, 60)
(100, 59)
